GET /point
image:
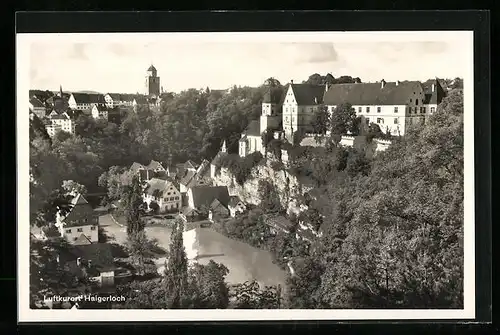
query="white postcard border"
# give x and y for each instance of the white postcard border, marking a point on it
(25, 314)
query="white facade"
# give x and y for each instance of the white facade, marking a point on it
(170, 200)
(71, 234)
(78, 106)
(52, 129)
(109, 101)
(38, 111)
(99, 114)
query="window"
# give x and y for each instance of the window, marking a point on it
(432, 109)
(286, 119)
(410, 100)
(359, 109)
(380, 120)
(79, 230)
(68, 231)
(378, 109)
(92, 228)
(368, 109)
(293, 119)
(416, 102)
(176, 198)
(396, 120)
(168, 193)
(395, 109)
(353, 109)
(422, 110)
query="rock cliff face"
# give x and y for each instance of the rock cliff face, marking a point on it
(287, 186)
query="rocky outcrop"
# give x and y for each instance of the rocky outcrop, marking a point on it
(287, 185)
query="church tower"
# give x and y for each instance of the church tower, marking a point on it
(271, 109)
(152, 83)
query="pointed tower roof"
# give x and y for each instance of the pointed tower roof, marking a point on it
(151, 68)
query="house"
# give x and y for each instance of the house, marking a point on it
(60, 122)
(299, 106)
(393, 106)
(80, 220)
(278, 223)
(190, 165)
(236, 206)
(139, 100)
(37, 107)
(155, 166)
(119, 99)
(147, 172)
(201, 198)
(93, 261)
(164, 194)
(217, 210)
(251, 139)
(82, 101)
(100, 112)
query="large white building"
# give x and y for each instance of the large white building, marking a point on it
(85, 101)
(393, 106)
(60, 122)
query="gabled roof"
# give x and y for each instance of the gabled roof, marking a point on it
(372, 93)
(36, 103)
(122, 97)
(88, 98)
(101, 108)
(160, 185)
(188, 178)
(205, 195)
(136, 167)
(81, 213)
(216, 204)
(82, 240)
(140, 100)
(253, 128)
(217, 159)
(153, 165)
(62, 116)
(278, 222)
(434, 97)
(100, 255)
(190, 165)
(307, 94)
(234, 200)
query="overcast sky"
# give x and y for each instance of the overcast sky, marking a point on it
(110, 66)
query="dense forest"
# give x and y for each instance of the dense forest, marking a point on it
(392, 224)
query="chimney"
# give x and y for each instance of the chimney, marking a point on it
(291, 81)
(433, 87)
(78, 261)
(397, 82)
(382, 83)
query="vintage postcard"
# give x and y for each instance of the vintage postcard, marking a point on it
(256, 176)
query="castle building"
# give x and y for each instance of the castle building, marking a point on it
(152, 83)
(393, 106)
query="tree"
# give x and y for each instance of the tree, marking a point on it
(133, 207)
(267, 136)
(249, 295)
(74, 188)
(343, 119)
(47, 276)
(396, 237)
(142, 249)
(176, 271)
(207, 281)
(269, 198)
(322, 120)
(357, 163)
(148, 294)
(302, 287)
